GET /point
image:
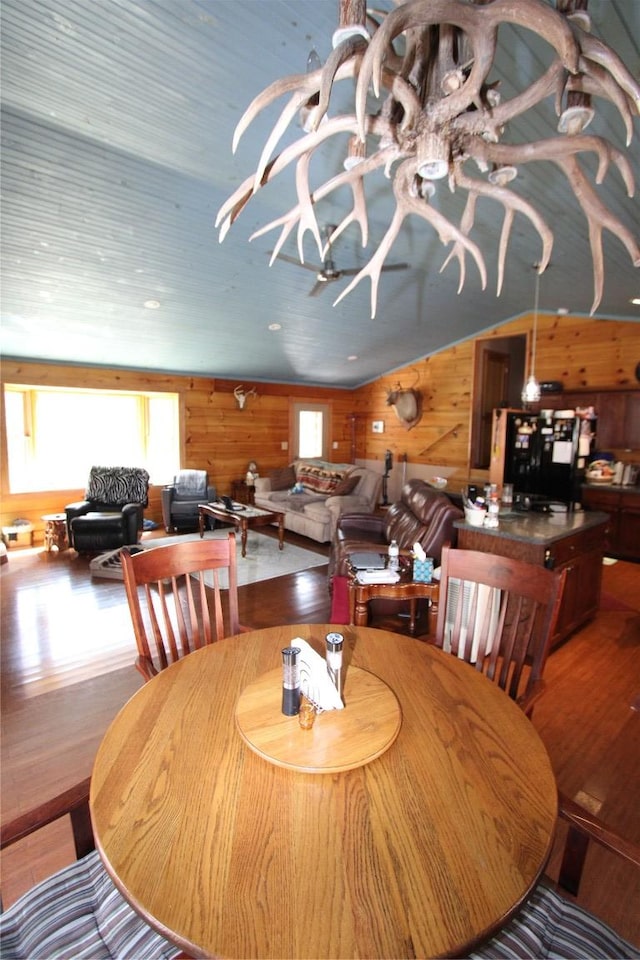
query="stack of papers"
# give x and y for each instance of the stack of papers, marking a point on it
(377, 576)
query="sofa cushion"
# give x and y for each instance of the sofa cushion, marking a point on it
(317, 510)
(300, 502)
(282, 479)
(346, 486)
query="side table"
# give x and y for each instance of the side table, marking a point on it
(243, 493)
(55, 532)
(405, 589)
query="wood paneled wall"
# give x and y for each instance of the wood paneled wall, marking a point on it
(217, 436)
(584, 354)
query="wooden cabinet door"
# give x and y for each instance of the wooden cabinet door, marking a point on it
(581, 598)
(594, 498)
(610, 410)
(632, 421)
(628, 531)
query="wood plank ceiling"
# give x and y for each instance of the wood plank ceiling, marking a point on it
(117, 118)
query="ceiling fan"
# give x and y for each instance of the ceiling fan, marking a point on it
(328, 272)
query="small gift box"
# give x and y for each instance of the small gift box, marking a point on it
(423, 570)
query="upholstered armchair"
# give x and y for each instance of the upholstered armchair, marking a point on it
(111, 514)
(180, 499)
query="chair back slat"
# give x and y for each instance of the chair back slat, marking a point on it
(175, 599)
(499, 614)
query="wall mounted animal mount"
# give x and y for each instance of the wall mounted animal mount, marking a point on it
(242, 395)
(407, 405)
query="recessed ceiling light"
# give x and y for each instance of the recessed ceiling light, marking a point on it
(352, 357)
(152, 304)
(275, 326)
(636, 301)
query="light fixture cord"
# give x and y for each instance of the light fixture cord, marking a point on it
(535, 324)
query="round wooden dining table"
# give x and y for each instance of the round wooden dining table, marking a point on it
(423, 851)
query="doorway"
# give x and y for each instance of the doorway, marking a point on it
(310, 430)
(499, 375)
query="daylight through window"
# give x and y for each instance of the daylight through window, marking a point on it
(55, 436)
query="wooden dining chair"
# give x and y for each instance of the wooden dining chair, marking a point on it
(170, 591)
(78, 911)
(499, 614)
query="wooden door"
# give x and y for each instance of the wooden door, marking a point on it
(494, 393)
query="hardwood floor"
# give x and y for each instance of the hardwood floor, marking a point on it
(67, 667)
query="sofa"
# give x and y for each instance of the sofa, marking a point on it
(324, 491)
(422, 514)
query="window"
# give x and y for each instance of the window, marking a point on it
(55, 435)
(311, 430)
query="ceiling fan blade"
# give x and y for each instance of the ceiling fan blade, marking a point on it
(396, 266)
(316, 288)
(296, 263)
(352, 271)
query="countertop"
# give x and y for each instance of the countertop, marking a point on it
(542, 528)
(611, 487)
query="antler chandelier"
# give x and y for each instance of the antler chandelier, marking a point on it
(428, 63)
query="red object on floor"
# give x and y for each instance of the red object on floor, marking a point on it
(340, 601)
(609, 602)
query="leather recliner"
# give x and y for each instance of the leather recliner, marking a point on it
(112, 512)
(180, 499)
(422, 514)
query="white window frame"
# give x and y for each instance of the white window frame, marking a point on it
(145, 425)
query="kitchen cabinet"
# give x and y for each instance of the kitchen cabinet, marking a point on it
(617, 412)
(571, 541)
(623, 506)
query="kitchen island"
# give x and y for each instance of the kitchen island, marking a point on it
(622, 503)
(574, 540)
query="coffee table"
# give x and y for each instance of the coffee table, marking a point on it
(405, 589)
(244, 520)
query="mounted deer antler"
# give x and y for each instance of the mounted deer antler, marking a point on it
(439, 110)
(243, 395)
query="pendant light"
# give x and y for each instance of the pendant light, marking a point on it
(531, 390)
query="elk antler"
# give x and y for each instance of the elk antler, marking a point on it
(439, 111)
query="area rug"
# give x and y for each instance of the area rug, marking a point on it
(263, 561)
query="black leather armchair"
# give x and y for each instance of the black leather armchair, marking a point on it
(112, 512)
(180, 499)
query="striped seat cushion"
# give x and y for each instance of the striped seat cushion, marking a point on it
(548, 926)
(78, 913)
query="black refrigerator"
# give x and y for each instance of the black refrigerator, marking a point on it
(542, 454)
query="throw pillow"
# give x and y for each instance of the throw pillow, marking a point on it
(282, 479)
(118, 485)
(346, 486)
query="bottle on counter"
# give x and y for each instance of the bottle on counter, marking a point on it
(492, 517)
(394, 555)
